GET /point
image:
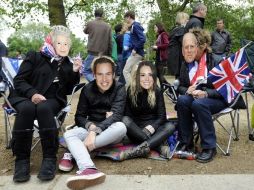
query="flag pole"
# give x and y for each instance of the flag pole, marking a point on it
(247, 44)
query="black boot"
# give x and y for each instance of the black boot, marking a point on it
(141, 150)
(47, 170)
(49, 143)
(22, 170)
(21, 147)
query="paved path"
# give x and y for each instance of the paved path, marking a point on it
(142, 182)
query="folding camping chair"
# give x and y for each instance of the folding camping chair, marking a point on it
(232, 130)
(245, 91)
(9, 70)
(170, 92)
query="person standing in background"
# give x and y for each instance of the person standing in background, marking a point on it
(99, 41)
(119, 41)
(126, 49)
(221, 41)
(161, 48)
(175, 56)
(197, 19)
(138, 40)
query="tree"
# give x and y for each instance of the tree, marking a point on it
(239, 20)
(168, 10)
(56, 12)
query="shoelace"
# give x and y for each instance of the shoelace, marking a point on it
(67, 156)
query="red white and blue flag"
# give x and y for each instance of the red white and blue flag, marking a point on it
(230, 75)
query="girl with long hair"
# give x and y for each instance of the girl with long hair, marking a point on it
(145, 114)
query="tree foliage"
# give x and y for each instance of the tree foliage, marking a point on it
(239, 19)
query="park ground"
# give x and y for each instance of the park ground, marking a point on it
(240, 160)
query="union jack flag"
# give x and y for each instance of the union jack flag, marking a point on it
(230, 75)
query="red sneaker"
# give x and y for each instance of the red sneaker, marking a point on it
(86, 178)
(66, 163)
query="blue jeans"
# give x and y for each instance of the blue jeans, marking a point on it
(202, 109)
(87, 71)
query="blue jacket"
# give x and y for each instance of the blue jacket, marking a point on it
(138, 38)
(126, 45)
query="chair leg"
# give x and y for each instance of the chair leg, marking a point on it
(251, 135)
(8, 130)
(234, 116)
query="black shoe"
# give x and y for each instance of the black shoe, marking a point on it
(48, 169)
(206, 155)
(22, 171)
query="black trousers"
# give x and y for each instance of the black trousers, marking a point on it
(160, 71)
(44, 112)
(137, 135)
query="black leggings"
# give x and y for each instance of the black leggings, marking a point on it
(137, 135)
(44, 112)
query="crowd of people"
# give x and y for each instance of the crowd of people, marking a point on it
(109, 109)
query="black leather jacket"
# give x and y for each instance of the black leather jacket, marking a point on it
(194, 22)
(93, 105)
(143, 114)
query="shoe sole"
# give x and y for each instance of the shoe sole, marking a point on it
(45, 177)
(23, 179)
(81, 182)
(64, 169)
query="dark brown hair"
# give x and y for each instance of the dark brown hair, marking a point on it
(160, 27)
(101, 60)
(130, 14)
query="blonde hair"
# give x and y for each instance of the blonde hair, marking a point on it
(59, 30)
(136, 88)
(203, 38)
(182, 18)
(125, 28)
